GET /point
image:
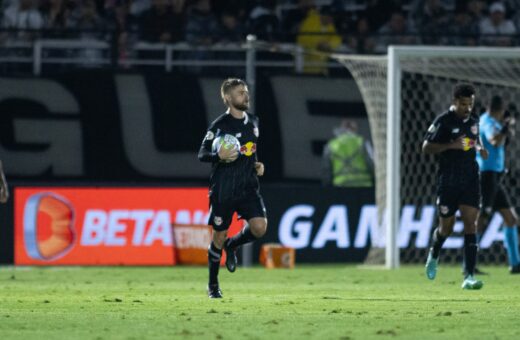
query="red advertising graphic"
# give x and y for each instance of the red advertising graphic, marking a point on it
(104, 226)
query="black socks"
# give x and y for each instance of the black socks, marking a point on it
(470, 253)
(437, 242)
(243, 237)
(214, 255)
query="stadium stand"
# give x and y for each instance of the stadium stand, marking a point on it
(363, 27)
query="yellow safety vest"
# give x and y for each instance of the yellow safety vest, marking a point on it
(349, 165)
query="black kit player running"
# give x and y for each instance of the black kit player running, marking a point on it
(458, 172)
(454, 137)
(234, 183)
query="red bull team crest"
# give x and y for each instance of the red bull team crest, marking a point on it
(248, 149)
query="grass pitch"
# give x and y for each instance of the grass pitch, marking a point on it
(309, 302)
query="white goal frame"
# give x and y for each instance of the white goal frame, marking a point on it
(393, 142)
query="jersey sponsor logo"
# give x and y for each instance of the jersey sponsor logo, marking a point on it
(248, 149)
(474, 129)
(210, 135)
(238, 135)
(455, 130)
(256, 132)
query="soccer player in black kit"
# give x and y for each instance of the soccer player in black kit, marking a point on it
(234, 180)
(454, 137)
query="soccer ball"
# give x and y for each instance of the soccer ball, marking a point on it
(225, 141)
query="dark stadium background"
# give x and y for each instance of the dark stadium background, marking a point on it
(206, 47)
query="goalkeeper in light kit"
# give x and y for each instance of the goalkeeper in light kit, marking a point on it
(454, 137)
(230, 145)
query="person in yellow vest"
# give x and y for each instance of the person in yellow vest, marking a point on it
(317, 33)
(348, 158)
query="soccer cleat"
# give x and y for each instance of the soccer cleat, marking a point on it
(515, 269)
(471, 283)
(231, 258)
(431, 266)
(214, 291)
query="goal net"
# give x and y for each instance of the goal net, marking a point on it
(421, 81)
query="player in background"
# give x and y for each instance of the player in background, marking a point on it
(4, 190)
(495, 128)
(454, 137)
(234, 183)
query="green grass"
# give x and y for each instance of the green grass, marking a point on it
(320, 302)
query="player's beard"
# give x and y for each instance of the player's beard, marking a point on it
(244, 106)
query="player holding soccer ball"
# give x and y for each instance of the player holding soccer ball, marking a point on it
(454, 136)
(230, 145)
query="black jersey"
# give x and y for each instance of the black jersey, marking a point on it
(455, 166)
(238, 179)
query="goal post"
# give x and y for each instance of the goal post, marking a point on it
(417, 80)
(393, 126)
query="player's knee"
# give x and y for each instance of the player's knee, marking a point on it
(446, 226)
(259, 227)
(219, 237)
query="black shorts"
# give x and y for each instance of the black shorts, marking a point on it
(494, 195)
(221, 213)
(450, 197)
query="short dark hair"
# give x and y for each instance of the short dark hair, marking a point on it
(496, 104)
(228, 85)
(463, 90)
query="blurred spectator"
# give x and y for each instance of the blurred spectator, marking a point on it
(87, 19)
(161, 23)
(317, 34)
(138, 7)
(4, 4)
(55, 15)
(292, 19)
(238, 7)
(362, 40)
(232, 34)
(232, 31)
(202, 29)
(201, 24)
(89, 26)
(513, 7)
(377, 11)
(430, 18)
(497, 24)
(22, 15)
(476, 9)
(125, 25)
(347, 158)
(462, 30)
(395, 32)
(263, 21)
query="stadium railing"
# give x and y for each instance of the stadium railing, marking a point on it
(104, 51)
